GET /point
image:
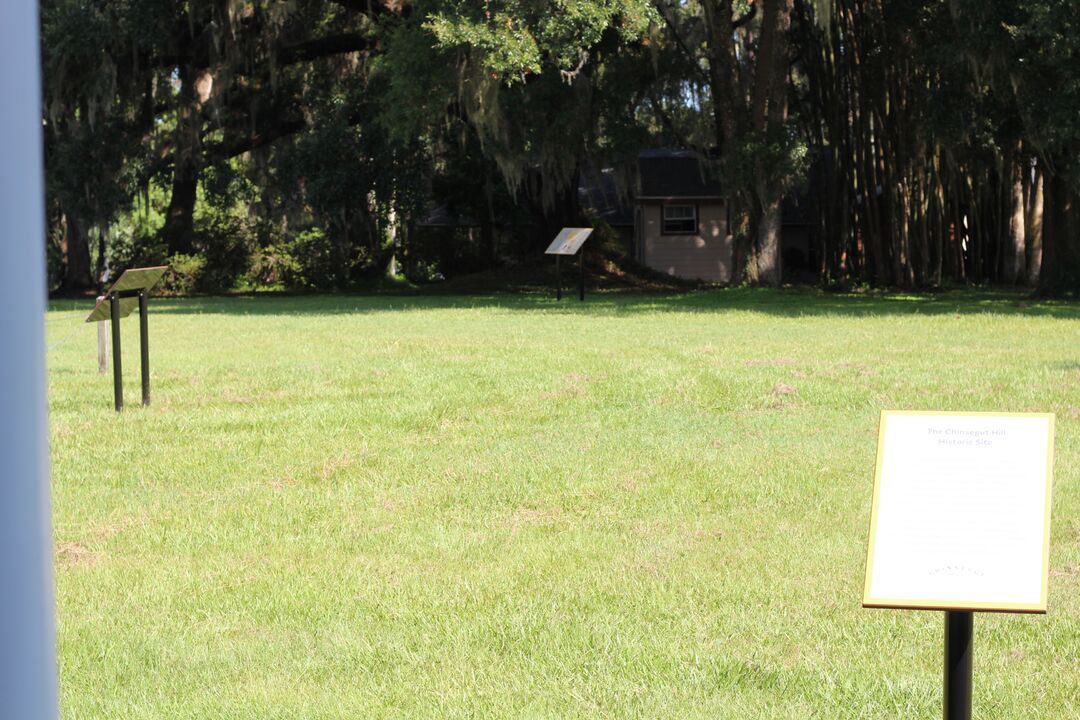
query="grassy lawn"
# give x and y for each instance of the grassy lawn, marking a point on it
(500, 506)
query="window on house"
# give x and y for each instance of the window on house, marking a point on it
(680, 219)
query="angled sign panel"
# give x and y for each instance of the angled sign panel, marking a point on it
(131, 281)
(961, 512)
(568, 241)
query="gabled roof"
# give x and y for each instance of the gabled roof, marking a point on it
(600, 197)
(676, 175)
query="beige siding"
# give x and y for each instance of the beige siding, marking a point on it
(704, 256)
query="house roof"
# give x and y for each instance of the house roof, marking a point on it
(675, 175)
(599, 195)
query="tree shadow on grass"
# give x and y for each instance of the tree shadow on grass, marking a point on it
(785, 303)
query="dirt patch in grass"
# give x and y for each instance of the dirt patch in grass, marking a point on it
(574, 385)
(116, 526)
(862, 369)
(282, 482)
(783, 397)
(1070, 571)
(332, 465)
(234, 397)
(780, 389)
(526, 517)
(703, 535)
(771, 362)
(73, 554)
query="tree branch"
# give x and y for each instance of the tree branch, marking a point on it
(690, 56)
(373, 8)
(750, 14)
(322, 47)
(219, 152)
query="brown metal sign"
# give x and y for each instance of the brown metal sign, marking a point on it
(131, 281)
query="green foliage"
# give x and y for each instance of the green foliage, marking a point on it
(226, 243)
(446, 252)
(134, 237)
(527, 81)
(1046, 75)
(185, 276)
(54, 257)
(608, 243)
(221, 262)
(513, 39)
(330, 128)
(310, 262)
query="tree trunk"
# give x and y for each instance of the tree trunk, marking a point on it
(76, 246)
(769, 269)
(487, 223)
(769, 113)
(1033, 231)
(728, 101)
(1060, 272)
(1015, 242)
(392, 237)
(723, 73)
(179, 230)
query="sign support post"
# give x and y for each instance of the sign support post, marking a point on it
(569, 241)
(102, 346)
(144, 348)
(957, 688)
(118, 374)
(581, 266)
(558, 278)
(131, 290)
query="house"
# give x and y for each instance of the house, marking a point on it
(681, 222)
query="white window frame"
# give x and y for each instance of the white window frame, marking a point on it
(678, 224)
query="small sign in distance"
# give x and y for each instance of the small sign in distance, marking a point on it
(568, 241)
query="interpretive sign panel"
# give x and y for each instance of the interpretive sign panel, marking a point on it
(127, 286)
(130, 291)
(568, 241)
(961, 512)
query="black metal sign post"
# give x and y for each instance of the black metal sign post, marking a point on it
(569, 241)
(130, 291)
(959, 627)
(144, 346)
(118, 375)
(558, 278)
(581, 265)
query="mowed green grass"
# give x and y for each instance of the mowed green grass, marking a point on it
(501, 506)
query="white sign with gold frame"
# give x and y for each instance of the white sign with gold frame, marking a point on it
(961, 512)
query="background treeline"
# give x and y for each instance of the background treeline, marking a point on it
(280, 143)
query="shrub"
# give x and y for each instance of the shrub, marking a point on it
(226, 244)
(608, 242)
(185, 274)
(307, 261)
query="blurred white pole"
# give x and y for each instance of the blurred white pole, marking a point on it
(27, 628)
(102, 344)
